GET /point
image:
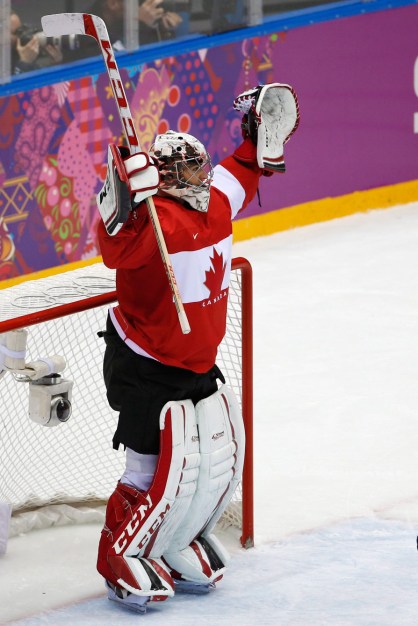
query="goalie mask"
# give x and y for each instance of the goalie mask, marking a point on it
(185, 168)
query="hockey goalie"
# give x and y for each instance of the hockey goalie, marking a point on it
(179, 423)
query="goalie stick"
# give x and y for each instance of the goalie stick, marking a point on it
(86, 24)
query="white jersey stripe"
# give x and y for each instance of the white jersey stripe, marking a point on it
(230, 186)
(191, 269)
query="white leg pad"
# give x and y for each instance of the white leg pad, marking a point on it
(222, 445)
(139, 526)
(199, 467)
(158, 528)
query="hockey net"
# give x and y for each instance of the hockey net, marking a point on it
(65, 474)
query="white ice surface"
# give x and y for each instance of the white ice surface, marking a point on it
(336, 440)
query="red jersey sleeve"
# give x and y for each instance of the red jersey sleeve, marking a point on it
(238, 176)
(133, 246)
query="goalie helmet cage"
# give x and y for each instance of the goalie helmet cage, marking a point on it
(66, 473)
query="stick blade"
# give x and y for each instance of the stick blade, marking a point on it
(59, 24)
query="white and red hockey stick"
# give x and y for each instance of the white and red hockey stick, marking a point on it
(86, 24)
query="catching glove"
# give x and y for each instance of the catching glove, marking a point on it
(130, 179)
(271, 116)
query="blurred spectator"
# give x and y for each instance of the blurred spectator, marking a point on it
(30, 50)
(157, 21)
(225, 14)
(111, 12)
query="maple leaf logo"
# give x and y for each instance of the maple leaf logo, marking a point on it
(215, 276)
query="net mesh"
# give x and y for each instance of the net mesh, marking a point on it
(74, 463)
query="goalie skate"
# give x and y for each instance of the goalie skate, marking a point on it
(198, 568)
(129, 600)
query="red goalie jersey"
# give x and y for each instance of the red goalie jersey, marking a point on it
(200, 249)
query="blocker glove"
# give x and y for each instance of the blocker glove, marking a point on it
(271, 116)
(130, 179)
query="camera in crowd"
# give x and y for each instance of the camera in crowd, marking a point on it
(66, 42)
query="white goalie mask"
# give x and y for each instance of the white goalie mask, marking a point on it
(185, 168)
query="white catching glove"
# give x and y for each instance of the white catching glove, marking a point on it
(271, 116)
(246, 100)
(130, 179)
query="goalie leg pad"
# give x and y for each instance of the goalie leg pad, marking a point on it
(138, 576)
(139, 526)
(222, 446)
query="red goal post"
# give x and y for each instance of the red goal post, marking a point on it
(49, 475)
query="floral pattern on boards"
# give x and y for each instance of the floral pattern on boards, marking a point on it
(148, 103)
(41, 118)
(56, 137)
(60, 209)
(345, 136)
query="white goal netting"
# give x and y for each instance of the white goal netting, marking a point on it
(65, 474)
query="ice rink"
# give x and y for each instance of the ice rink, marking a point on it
(336, 442)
